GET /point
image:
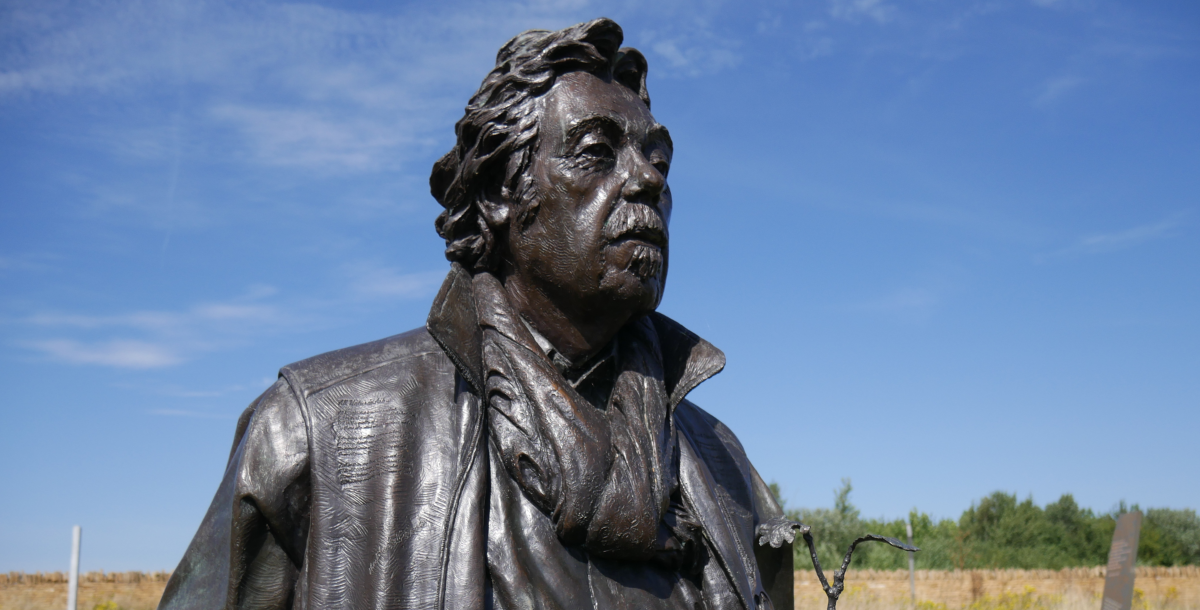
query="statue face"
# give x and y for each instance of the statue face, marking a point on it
(597, 244)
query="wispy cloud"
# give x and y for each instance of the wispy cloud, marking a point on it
(373, 281)
(815, 40)
(1104, 242)
(905, 302)
(918, 298)
(155, 339)
(190, 413)
(1099, 243)
(161, 338)
(169, 323)
(876, 10)
(1064, 4)
(1055, 88)
(309, 139)
(173, 390)
(29, 263)
(309, 92)
(118, 353)
(355, 99)
(690, 51)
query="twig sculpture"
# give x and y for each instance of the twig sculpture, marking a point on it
(779, 529)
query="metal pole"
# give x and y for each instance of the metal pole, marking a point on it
(73, 584)
(912, 574)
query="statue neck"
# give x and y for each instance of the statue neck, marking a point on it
(574, 334)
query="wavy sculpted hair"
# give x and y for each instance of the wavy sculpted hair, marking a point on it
(497, 137)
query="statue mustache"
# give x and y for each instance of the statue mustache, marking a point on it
(636, 220)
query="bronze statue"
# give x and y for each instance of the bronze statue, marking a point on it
(531, 446)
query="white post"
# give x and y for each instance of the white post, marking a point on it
(73, 584)
(912, 574)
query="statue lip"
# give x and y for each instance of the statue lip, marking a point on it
(649, 235)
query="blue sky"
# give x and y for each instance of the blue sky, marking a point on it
(949, 247)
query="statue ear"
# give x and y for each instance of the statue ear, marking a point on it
(495, 205)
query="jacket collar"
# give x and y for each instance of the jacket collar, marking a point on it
(453, 322)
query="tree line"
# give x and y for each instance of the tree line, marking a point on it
(998, 531)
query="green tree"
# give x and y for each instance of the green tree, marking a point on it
(1169, 538)
(998, 531)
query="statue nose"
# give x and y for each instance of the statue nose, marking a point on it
(645, 184)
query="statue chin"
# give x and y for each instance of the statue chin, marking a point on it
(627, 287)
(635, 273)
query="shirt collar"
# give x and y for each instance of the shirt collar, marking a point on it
(575, 374)
(454, 323)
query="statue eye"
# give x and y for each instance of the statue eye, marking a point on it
(597, 151)
(662, 166)
(660, 162)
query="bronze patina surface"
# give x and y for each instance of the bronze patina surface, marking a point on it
(532, 445)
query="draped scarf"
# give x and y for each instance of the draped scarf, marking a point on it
(604, 476)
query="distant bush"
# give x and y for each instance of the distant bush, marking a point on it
(997, 532)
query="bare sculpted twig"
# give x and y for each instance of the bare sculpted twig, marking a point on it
(779, 529)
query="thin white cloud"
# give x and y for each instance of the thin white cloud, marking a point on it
(171, 390)
(156, 339)
(25, 263)
(295, 87)
(189, 413)
(354, 99)
(299, 85)
(118, 353)
(374, 282)
(904, 301)
(170, 323)
(918, 299)
(309, 139)
(876, 10)
(1099, 243)
(1064, 4)
(815, 40)
(1105, 242)
(690, 53)
(1055, 88)
(669, 49)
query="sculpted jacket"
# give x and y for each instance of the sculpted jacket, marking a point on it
(362, 479)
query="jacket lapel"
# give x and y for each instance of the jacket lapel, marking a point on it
(688, 360)
(454, 324)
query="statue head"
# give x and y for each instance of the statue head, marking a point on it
(557, 181)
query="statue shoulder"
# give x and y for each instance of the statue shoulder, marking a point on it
(719, 448)
(322, 371)
(702, 428)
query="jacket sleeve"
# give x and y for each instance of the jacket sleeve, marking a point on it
(250, 546)
(775, 564)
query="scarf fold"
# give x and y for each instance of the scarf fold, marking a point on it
(605, 476)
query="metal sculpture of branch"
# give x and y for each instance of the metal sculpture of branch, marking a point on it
(779, 529)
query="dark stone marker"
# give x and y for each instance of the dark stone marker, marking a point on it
(1118, 585)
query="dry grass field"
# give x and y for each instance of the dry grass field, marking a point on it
(97, 590)
(1071, 589)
